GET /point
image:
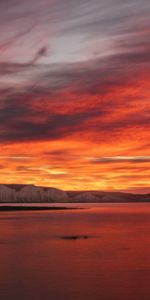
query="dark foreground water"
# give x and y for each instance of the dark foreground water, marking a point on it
(99, 253)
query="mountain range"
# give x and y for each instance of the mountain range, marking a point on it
(19, 193)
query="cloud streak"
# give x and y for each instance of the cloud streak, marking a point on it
(74, 87)
(118, 159)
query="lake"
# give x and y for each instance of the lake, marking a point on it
(100, 252)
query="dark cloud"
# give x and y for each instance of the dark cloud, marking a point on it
(20, 124)
(91, 89)
(120, 159)
(30, 86)
(20, 120)
(40, 53)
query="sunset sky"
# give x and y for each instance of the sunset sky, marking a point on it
(75, 94)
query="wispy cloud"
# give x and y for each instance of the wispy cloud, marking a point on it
(74, 84)
(118, 159)
(15, 158)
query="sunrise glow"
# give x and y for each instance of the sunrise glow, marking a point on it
(75, 94)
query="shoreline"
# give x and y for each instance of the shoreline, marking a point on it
(34, 208)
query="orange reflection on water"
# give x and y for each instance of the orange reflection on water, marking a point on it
(39, 262)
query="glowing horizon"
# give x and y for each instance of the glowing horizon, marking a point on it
(75, 94)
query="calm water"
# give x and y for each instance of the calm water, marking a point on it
(39, 261)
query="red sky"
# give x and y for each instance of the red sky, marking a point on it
(75, 94)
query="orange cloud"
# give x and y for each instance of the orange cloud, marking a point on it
(82, 120)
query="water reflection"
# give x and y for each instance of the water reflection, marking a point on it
(36, 262)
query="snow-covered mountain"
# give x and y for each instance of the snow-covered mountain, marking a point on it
(11, 193)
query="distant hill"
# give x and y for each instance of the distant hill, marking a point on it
(103, 196)
(30, 193)
(18, 193)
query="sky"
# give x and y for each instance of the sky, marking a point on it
(75, 94)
